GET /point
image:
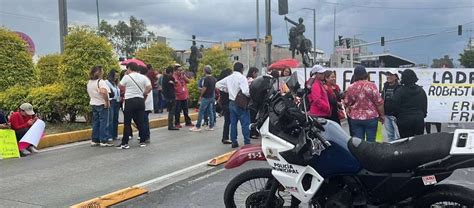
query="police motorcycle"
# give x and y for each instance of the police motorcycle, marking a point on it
(312, 161)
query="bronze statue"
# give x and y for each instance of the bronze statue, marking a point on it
(298, 43)
(193, 57)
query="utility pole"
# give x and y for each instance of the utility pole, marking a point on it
(352, 50)
(62, 4)
(98, 19)
(269, 31)
(258, 63)
(334, 33)
(314, 32)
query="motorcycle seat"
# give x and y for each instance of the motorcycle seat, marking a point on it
(403, 155)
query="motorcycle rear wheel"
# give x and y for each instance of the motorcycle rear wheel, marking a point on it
(447, 195)
(251, 189)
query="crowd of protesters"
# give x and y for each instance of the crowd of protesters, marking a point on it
(400, 105)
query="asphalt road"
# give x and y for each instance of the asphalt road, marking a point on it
(76, 173)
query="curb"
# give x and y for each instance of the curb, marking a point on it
(83, 135)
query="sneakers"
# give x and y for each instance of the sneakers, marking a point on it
(178, 126)
(226, 141)
(124, 146)
(142, 144)
(24, 153)
(32, 149)
(106, 144)
(94, 144)
(209, 129)
(235, 145)
(195, 129)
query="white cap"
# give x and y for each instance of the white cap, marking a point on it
(392, 71)
(28, 108)
(318, 69)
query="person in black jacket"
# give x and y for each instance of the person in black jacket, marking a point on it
(170, 95)
(411, 103)
(389, 89)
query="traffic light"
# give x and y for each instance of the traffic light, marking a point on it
(342, 60)
(282, 7)
(340, 40)
(459, 30)
(382, 41)
(348, 43)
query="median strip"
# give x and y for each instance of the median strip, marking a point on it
(112, 198)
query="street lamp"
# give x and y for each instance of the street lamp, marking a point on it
(98, 19)
(314, 31)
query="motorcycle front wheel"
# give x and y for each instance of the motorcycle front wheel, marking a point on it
(447, 195)
(251, 189)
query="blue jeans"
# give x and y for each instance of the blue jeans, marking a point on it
(113, 118)
(365, 129)
(205, 109)
(100, 131)
(237, 113)
(391, 128)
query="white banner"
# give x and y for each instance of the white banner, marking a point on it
(34, 134)
(450, 91)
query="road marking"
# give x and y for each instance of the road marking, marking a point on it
(172, 175)
(207, 175)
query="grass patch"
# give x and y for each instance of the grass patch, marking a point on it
(54, 128)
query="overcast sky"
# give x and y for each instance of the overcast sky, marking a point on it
(225, 20)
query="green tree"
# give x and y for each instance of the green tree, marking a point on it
(83, 50)
(444, 62)
(217, 58)
(157, 54)
(126, 38)
(48, 70)
(467, 58)
(16, 63)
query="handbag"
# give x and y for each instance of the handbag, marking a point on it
(241, 100)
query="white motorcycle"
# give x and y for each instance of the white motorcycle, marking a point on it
(313, 161)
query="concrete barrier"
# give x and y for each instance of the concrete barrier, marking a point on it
(83, 135)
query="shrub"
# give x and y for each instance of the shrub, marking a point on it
(47, 102)
(16, 64)
(48, 70)
(83, 50)
(13, 97)
(193, 93)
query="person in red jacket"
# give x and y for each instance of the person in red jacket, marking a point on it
(21, 121)
(318, 99)
(182, 95)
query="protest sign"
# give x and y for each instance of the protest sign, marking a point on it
(8, 144)
(449, 90)
(33, 135)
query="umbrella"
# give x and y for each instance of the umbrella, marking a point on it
(133, 60)
(284, 63)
